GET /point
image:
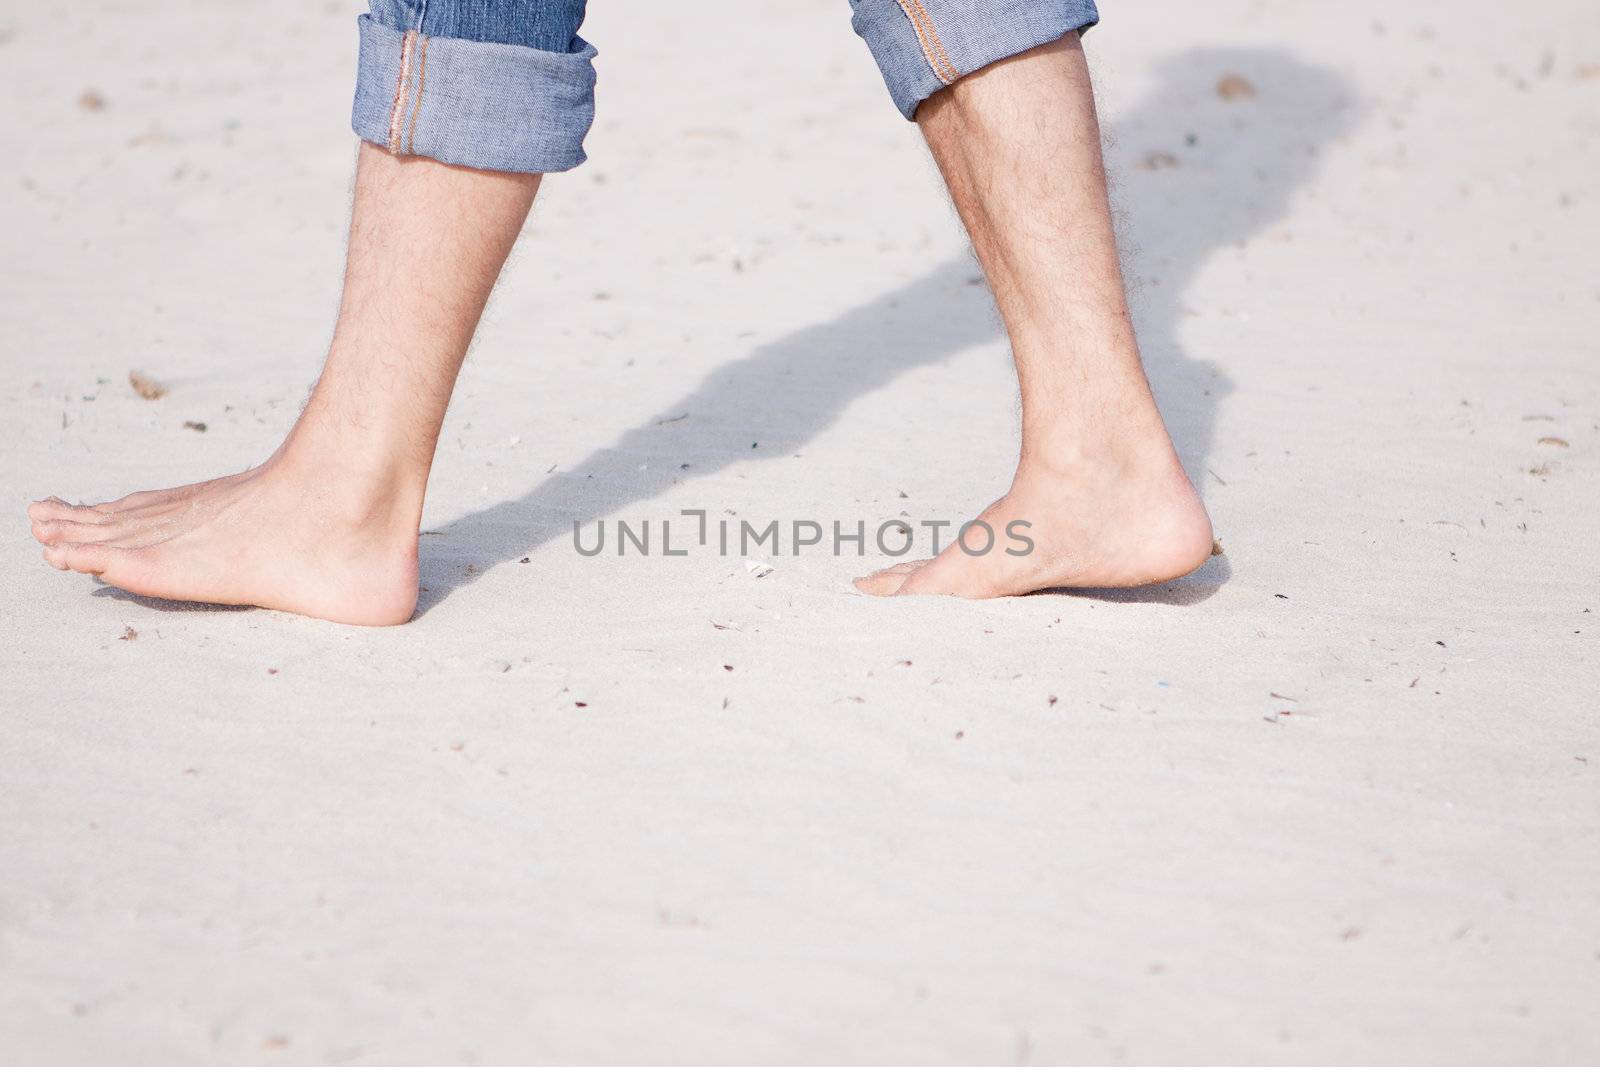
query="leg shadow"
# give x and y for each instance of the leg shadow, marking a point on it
(766, 405)
(1228, 173)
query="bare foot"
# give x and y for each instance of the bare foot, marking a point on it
(1110, 525)
(276, 536)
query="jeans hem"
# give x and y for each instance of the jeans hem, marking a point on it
(473, 103)
(921, 46)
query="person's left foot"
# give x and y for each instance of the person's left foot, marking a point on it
(1110, 525)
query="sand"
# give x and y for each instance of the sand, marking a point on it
(1333, 799)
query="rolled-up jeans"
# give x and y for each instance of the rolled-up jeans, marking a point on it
(509, 84)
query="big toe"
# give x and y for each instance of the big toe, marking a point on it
(948, 576)
(83, 557)
(888, 581)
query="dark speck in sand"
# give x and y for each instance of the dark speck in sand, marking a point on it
(129, 634)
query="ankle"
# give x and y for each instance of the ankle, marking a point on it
(1090, 450)
(381, 498)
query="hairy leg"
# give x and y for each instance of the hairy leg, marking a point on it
(1098, 479)
(328, 525)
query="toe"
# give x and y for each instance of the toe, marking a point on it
(145, 499)
(56, 508)
(888, 581)
(949, 575)
(134, 500)
(82, 557)
(48, 531)
(53, 531)
(133, 569)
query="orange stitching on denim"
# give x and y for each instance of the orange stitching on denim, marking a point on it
(928, 38)
(913, 14)
(938, 45)
(401, 93)
(416, 109)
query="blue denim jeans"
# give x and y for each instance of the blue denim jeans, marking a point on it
(509, 84)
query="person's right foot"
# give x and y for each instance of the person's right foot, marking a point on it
(273, 537)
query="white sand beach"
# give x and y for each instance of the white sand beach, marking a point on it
(1333, 799)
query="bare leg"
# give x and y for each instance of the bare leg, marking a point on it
(328, 525)
(1098, 479)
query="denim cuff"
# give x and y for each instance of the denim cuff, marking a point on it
(923, 45)
(474, 103)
